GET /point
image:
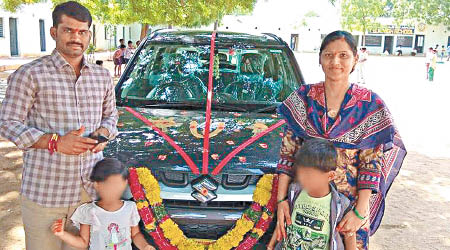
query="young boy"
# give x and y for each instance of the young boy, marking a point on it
(316, 205)
(117, 58)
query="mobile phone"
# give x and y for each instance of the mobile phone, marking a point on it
(100, 138)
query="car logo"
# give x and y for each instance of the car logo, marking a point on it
(204, 188)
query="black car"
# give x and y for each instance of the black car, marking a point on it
(166, 81)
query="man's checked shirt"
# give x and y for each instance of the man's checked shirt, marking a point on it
(45, 96)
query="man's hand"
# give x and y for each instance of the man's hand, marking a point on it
(283, 214)
(100, 146)
(73, 143)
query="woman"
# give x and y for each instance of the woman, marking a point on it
(359, 124)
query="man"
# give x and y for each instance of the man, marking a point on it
(362, 58)
(128, 52)
(52, 104)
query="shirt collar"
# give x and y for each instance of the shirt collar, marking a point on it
(59, 60)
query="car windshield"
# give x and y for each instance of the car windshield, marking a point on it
(178, 73)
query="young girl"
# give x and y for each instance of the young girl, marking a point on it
(109, 223)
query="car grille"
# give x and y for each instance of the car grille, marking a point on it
(227, 181)
(226, 205)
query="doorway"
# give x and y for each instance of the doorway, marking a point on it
(388, 44)
(13, 42)
(420, 41)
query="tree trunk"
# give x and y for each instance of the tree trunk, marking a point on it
(170, 26)
(144, 30)
(216, 25)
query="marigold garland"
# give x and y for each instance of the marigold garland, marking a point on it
(167, 235)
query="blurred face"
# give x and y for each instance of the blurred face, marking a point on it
(71, 36)
(337, 60)
(314, 180)
(112, 188)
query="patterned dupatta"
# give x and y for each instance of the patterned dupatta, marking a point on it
(363, 122)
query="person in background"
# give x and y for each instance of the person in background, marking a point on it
(428, 59)
(362, 59)
(99, 62)
(432, 66)
(137, 43)
(442, 53)
(129, 51)
(121, 42)
(52, 105)
(117, 58)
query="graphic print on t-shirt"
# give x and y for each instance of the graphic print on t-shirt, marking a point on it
(115, 238)
(310, 228)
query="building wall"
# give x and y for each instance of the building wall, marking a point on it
(286, 18)
(28, 31)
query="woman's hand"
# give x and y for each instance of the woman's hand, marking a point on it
(283, 215)
(149, 247)
(350, 224)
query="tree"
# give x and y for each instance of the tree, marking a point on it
(432, 12)
(181, 13)
(362, 15)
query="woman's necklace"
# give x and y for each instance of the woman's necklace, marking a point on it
(332, 113)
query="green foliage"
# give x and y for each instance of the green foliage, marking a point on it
(428, 11)
(183, 13)
(362, 15)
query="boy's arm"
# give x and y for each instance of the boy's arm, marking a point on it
(139, 240)
(81, 241)
(350, 241)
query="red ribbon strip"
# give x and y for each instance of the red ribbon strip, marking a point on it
(244, 145)
(183, 154)
(208, 106)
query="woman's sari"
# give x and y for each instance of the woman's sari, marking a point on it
(362, 127)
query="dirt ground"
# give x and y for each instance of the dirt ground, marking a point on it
(416, 217)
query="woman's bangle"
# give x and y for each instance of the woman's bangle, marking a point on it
(357, 214)
(284, 199)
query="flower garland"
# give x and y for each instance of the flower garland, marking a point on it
(167, 235)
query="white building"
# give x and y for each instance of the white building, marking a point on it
(304, 23)
(408, 37)
(27, 32)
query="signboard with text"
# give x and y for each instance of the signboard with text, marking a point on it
(392, 29)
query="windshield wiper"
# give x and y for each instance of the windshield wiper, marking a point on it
(228, 107)
(175, 105)
(270, 109)
(197, 105)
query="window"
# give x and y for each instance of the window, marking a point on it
(42, 35)
(1, 27)
(374, 41)
(404, 41)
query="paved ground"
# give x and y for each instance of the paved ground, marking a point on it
(417, 214)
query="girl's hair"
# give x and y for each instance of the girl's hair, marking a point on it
(107, 167)
(316, 153)
(339, 34)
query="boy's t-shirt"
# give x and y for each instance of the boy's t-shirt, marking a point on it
(310, 228)
(109, 230)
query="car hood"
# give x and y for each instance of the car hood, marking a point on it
(139, 145)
